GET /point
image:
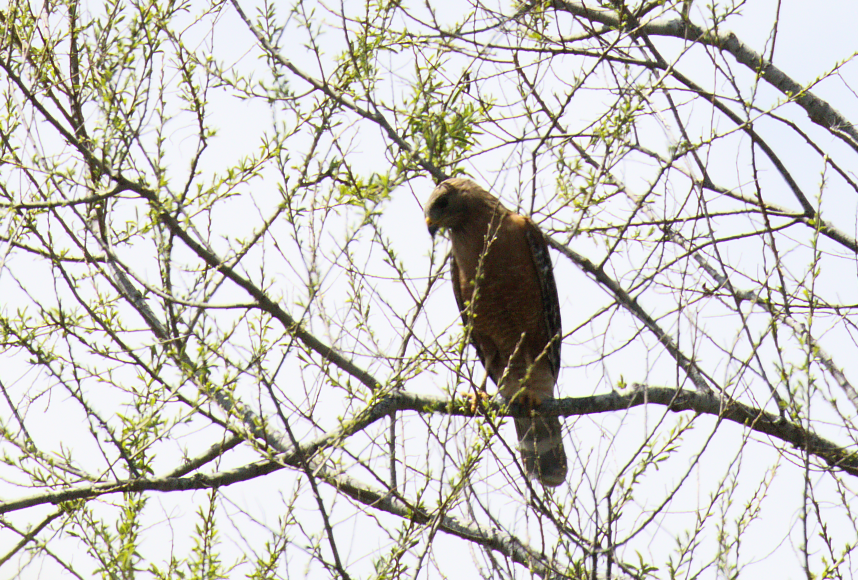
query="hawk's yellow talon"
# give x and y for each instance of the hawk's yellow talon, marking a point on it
(476, 400)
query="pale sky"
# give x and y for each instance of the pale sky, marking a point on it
(810, 42)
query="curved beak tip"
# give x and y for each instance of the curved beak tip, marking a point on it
(432, 227)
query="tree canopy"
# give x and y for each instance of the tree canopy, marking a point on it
(229, 346)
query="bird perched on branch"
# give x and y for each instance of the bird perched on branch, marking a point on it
(505, 290)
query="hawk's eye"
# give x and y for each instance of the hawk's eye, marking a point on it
(442, 203)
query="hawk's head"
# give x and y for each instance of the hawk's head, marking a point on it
(452, 202)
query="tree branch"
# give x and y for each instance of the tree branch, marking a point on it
(676, 400)
(637, 310)
(340, 97)
(818, 110)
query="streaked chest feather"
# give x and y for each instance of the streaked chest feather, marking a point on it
(503, 277)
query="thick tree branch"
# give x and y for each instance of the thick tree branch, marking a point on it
(628, 302)
(819, 111)
(266, 304)
(493, 539)
(361, 492)
(134, 297)
(677, 400)
(723, 282)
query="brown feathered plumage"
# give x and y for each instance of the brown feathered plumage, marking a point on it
(504, 286)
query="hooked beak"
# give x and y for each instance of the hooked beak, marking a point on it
(433, 228)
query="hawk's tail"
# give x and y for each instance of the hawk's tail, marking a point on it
(540, 442)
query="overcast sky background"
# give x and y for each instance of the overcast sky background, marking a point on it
(812, 38)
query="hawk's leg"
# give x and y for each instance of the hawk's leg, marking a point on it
(527, 399)
(478, 395)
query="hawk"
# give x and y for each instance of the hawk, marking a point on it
(505, 290)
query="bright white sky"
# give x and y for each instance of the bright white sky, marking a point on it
(812, 39)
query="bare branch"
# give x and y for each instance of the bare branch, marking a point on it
(818, 110)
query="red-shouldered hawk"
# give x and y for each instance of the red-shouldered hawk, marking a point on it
(505, 289)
